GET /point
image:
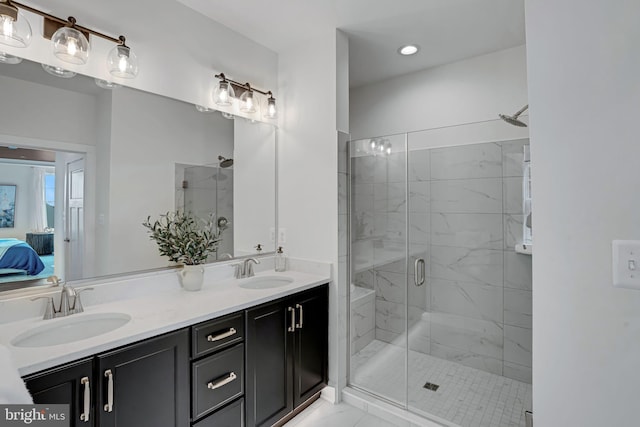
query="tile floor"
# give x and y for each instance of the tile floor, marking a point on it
(323, 413)
(466, 396)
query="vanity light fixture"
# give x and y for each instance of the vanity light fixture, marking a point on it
(70, 45)
(380, 146)
(225, 91)
(247, 101)
(5, 58)
(70, 41)
(203, 109)
(15, 30)
(410, 49)
(58, 71)
(104, 84)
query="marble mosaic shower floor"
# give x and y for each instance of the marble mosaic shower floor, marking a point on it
(466, 396)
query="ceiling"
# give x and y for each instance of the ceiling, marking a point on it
(446, 30)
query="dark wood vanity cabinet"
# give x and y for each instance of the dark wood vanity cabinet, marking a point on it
(286, 355)
(253, 367)
(69, 384)
(217, 372)
(145, 384)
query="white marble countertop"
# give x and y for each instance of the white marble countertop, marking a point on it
(168, 309)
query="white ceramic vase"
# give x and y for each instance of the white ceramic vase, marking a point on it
(191, 277)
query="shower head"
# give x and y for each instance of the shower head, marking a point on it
(224, 162)
(513, 120)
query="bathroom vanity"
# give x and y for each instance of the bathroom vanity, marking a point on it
(252, 360)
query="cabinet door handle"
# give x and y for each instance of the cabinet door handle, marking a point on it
(292, 328)
(299, 325)
(230, 332)
(108, 407)
(231, 377)
(87, 400)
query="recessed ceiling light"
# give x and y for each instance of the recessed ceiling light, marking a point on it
(410, 49)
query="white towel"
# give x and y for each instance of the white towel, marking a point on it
(12, 388)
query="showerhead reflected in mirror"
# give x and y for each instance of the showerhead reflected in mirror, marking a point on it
(224, 162)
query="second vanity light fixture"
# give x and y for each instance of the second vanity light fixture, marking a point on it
(225, 92)
(70, 41)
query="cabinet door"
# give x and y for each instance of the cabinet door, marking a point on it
(269, 359)
(311, 343)
(149, 383)
(70, 384)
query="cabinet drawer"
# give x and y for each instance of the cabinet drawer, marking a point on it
(231, 415)
(217, 380)
(216, 334)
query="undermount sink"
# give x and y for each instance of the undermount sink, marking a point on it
(69, 329)
(265, 282)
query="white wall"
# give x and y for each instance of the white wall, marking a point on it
(179, 50)
(308, 160)
(21, 176)
(583, 72)
(472, 90)
(254, 185)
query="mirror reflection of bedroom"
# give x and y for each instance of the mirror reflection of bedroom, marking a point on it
(31, 201)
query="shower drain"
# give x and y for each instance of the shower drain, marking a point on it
(431, 386)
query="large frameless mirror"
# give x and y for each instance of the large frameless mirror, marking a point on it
(86, 165)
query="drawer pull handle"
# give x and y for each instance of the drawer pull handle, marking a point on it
(230, 332)
(231, 377)
(292, 328)
(87, 400)
(108, 407)
(299, 325)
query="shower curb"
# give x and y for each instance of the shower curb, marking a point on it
(388, 412)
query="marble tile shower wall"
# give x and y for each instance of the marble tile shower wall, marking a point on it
(465, 217)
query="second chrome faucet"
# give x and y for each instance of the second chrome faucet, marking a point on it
(245, 268)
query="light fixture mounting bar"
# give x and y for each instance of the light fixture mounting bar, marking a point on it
(245, 86)
(53, 23)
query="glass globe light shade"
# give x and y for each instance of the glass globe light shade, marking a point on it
(271, 112)
(105, 84)
(248, 103)
(70, 45)
(58, 72)
(203, 109)
(223, 93)
(15, 32)
(5, 58)
(123, 63)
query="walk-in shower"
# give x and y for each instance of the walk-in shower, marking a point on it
(440, 300)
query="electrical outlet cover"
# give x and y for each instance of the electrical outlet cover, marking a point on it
(626, 264)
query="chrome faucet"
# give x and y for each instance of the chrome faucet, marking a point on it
(245, 268)
(70, 303)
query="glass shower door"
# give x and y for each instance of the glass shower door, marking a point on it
(379, 243)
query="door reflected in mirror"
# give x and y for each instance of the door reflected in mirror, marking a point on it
(115, 157)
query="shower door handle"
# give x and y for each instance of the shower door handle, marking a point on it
(419, 274)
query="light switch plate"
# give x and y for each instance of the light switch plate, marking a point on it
(626, 264)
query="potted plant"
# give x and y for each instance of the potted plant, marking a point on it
(187, 240)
